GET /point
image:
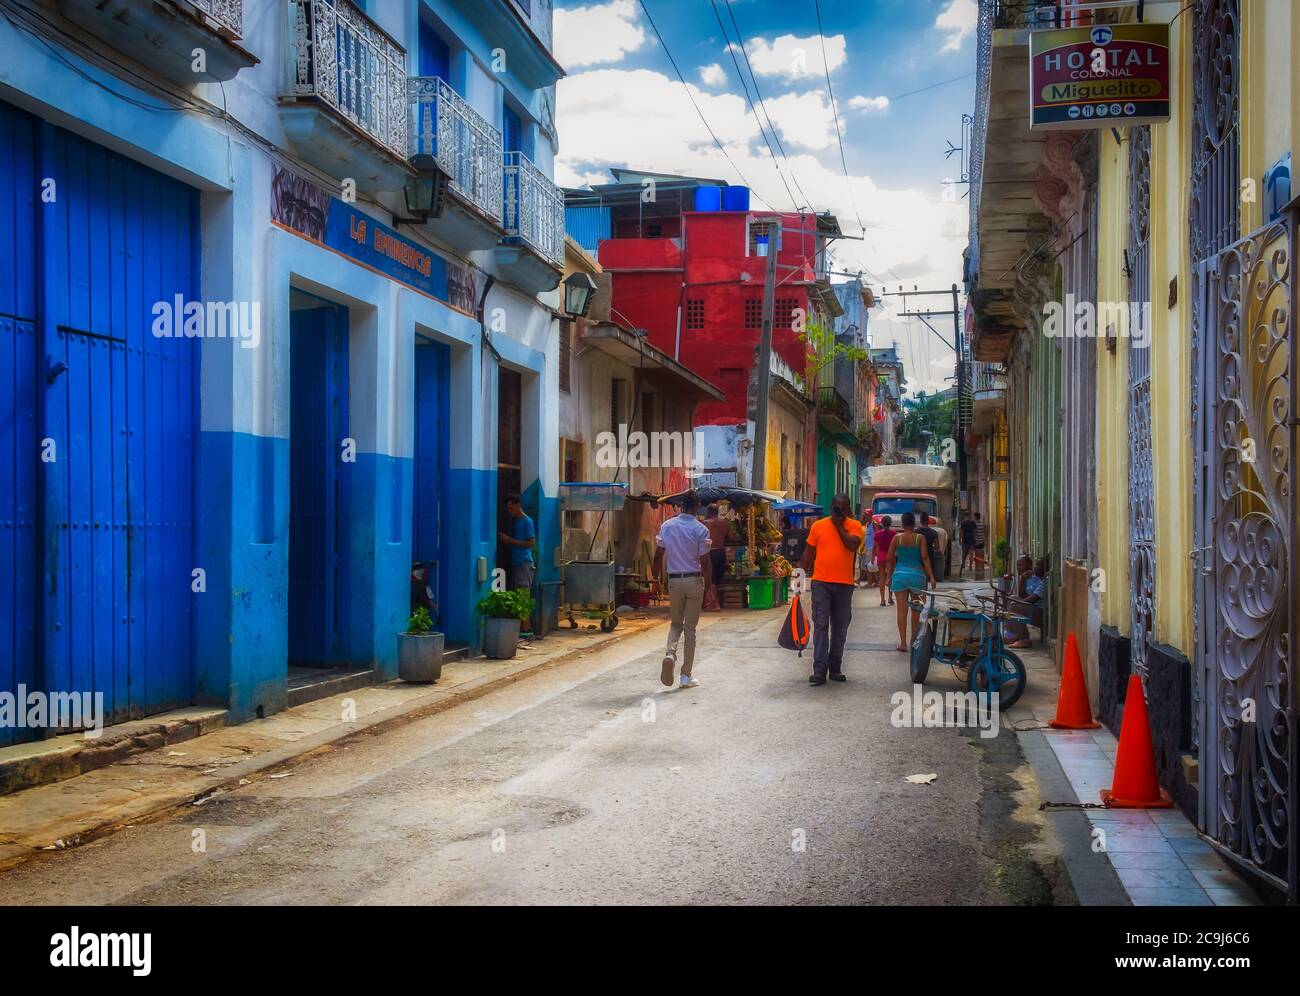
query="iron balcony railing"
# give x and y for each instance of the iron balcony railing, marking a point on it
(466, 147)
(339, 55)
(1026, 13)
(228, 13)
(985, 376)
(534, 208)
(831, 402)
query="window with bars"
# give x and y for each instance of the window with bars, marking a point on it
(695, 314)
(566, 355)
(615, 404)
(783, 316)
(753, 312)
(758, 230)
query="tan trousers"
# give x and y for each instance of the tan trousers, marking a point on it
(685, 599)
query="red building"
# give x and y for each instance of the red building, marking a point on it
(693, 279)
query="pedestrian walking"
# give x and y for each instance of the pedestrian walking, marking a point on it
(867, 561)
(927, 528)
(833, 543)
(883, 537)
(967, 531)
(682, 562)
(909, 569)
(521, 539)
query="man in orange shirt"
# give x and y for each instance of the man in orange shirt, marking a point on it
(833, 544)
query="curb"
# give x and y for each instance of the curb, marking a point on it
(414, 709)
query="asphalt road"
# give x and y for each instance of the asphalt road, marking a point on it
(591, 783)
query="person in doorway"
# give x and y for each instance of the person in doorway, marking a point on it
(967, 531)
(909, 570)
(682, 564)
(883, 537)
(521, 539)
(833, 543)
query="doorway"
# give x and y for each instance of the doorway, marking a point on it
(428, 505)
(320, 455)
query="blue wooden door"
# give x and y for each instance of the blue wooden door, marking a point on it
(19, 380)
(97, 424)
(318, 420)
(435, 55)
(432, 390)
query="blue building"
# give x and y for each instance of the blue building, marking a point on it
(278, 292)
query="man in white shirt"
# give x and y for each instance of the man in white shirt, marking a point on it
(682, 562)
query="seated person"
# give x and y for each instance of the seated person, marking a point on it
(1028, 592)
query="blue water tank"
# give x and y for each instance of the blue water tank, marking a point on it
(708, 198)
(735, 199)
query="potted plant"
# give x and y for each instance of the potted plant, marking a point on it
(419, 649)
(503, 611)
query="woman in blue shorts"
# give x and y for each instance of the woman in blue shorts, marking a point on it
(909, 566)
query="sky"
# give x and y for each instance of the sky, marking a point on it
(622, 104)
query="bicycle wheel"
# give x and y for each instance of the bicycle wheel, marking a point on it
(922, 648)
(1006, 676)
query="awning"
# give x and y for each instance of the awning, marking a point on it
(636, 352)
(739, 497)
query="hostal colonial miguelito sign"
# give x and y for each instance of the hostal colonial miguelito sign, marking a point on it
(1099, 76)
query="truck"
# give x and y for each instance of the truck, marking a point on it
(894, 488)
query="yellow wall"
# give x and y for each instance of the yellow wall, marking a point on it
(1270, 116)
(1171, 403)
(1112, 388)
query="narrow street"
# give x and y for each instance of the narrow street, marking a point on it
(592, 783)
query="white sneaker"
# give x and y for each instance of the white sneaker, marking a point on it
(689, 681)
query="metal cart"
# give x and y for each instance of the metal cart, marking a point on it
(589, 580)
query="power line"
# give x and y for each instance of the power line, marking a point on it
(835, 115)
(686, 87)
(913, 93)
(763, 104)
(761, 130)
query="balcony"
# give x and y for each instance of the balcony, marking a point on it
(834, 413)
(162, 35)
(986, 385)
(468, 150)
(346, 108)
(532, 257)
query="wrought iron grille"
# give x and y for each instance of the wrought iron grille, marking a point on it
(1141, 478)
(341, 57)
(534, 208)
(1215, 204)
(1248, 752)
(1213, 211)
(228, 13)
(466, 147)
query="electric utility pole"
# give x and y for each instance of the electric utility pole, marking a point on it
(957, 347)
(758, 474)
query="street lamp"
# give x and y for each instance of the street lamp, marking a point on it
(578, 291)
(425, 192)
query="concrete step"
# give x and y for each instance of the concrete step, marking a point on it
(52, 760)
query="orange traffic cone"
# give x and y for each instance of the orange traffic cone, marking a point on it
(1072, 709)
(1135, 785)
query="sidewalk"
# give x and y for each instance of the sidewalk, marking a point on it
(146, 784)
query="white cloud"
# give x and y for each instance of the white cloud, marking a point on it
(601, 32)
(868, 104)
(643, 119)
(713, 75)
(957, 20)
(793, 57)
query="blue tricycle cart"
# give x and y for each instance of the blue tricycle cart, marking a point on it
(969, 640)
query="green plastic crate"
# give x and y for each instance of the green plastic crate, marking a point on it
(760, 593)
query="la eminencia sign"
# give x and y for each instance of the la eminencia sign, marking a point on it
(1101, 76)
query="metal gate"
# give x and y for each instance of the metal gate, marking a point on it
(1247, 514)
(1141, 480)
